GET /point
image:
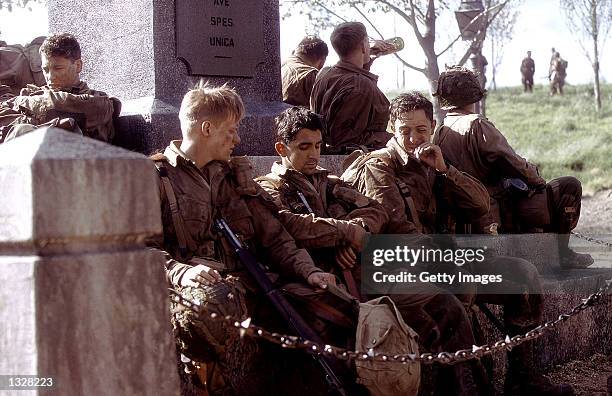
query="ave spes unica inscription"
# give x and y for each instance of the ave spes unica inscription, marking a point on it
(220, 37)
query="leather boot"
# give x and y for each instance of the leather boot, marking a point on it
(569, 258)
(522, 377)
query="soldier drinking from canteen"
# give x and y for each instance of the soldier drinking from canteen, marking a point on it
(65, 102)
(355, 110)
(201, 183)
(521, 200)
(411, 178)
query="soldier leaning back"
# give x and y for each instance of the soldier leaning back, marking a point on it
(199, 184)
(65, 102)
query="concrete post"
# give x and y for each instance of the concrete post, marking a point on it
(81, 299)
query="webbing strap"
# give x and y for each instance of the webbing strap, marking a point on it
(410, 203)
(185, 243)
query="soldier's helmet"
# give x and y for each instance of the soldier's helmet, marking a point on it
(201, 337)
(457, 87)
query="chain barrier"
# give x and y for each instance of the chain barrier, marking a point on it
(287, 341)
(591, 239)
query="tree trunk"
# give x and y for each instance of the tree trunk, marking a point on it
(432, 72)
(595, 34)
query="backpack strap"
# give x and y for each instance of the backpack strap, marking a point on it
(185, 242)
(405, 191)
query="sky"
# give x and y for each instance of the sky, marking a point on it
(540, 26)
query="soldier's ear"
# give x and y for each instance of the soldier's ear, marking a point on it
(281, 149)
(79, 65)
(205, 128)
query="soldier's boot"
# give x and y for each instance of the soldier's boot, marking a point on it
(569, 258)
(464, 379)
(522, 377)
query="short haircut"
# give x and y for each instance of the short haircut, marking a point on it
(347, 37)
(312, 47)
(206, 101)
(63, 45)
(410, 101)
(290, 121)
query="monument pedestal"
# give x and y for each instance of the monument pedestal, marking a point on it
(150, 53)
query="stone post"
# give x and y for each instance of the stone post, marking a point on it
(149, 52)
(81, 299)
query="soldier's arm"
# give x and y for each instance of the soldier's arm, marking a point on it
(369, 213)
(308, 230)
(308, 83)
(464, 192)
(350, 121)
(279, 246)
(497, 152)
(378, 183)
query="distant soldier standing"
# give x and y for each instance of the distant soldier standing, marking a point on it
(300, 70)
(527, 71)
(558, 73)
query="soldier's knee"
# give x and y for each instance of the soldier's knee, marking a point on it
(567, 185)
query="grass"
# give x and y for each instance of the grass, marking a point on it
(562, 135)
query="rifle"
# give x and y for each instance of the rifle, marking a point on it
(284, 308)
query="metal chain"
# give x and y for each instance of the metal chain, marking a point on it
(287, 341)
(591, 239)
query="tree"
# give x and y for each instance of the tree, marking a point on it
(10, 4)
(591, 19)
(420, 15)
(500, 32)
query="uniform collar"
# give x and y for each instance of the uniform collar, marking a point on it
(399, 152)
(360, 70)
(175, 155)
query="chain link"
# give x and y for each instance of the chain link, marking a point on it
(591, 239)
(287, 341)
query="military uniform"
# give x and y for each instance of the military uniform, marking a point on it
(93, 111)
(473, 144)
(298, 78)
(355, 110)
(226, 190)
(558, 73)
(527, 71)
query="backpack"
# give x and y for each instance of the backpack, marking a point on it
(20, 66)
(382, 330)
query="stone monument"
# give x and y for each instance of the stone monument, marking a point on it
(82, 301)
(149, 52)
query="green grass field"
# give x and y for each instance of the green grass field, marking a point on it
(562, 135)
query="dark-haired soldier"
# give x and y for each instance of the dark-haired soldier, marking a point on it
(410, 177)
(65, 101)
(333, 215)
(474, 145)
(300, 70)
(355, 110)
(527, 71)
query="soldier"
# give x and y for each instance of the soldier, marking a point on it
(323, 200)
(473, 144)
(355, 110)
(410, 177)
(201, 183)
(65, 101)
(558, 72)
(527, 71)
(300, 70)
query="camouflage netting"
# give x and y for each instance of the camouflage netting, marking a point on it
(458, 87)
(202, 338)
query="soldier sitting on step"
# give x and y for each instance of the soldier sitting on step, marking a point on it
(65, 102)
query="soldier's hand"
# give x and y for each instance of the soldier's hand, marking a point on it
(431, 155)
(357, 236)
(321, 279)
(345, 257)
(200, 275)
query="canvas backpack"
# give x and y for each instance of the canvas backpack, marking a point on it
(382, 330)
(20, 66)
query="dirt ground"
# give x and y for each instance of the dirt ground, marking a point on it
(590, 377)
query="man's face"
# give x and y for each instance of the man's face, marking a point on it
(528, 54)
(223, 137)
(320, 63)
(303, 153)
(60, 72)
(366, 50)
(412, 129)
